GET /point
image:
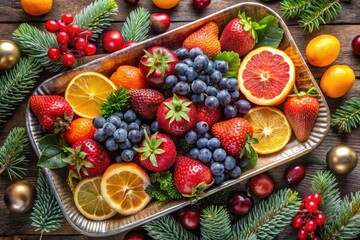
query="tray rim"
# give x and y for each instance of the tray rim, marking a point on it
(227, 184)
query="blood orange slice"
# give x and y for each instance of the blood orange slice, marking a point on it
(266, 76)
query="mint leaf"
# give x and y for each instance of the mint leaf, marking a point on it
(272, 34)
(233, 60)
(52, 155)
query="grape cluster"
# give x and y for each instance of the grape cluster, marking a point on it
(309, 217)
(73, 42)
(208, 151)
(203, 80)
(124, 131)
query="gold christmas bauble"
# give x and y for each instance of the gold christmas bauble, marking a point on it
(9, 55)
(341, 159)
(20, 196)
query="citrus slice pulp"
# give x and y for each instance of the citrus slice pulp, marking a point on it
(89, 201)
(123, 188)
(266, 76)
(271, 128)
(87, 91)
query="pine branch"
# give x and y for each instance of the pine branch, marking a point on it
(116, 101)
(168, 228)
(347, 117)
(11, 153)
(97, 16)
(15, 84)
(268, 218)
(215, 216)
(136, 26)
(36, 43)
(46, 214)
(294, 8)
(319, 12)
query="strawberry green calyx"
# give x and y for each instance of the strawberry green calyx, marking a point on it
(199, 190)
(249, 152)
(178, 109)
(62, 123)
(311, 92)
(250, 26)
(77, 158)
(158, 60)
(151, 149)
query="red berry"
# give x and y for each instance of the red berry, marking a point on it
(134, 235)
(297, 222)
(355, 45)
(62, 26)
(261, 185)
(54, 53)
(112, 41)
(239, 204)
(74, 29)
(87, 34)
(62, 38)
(294, 173)
(189, 217)
(67, 18)
(80, 44)
(90, 49)
(201, 4)
(80, 54)
(132, 2)
(68, 59)
(316, 198)
(308, 198)
(63, 48)
(51, 26)
(302, 234)
(320, 219)
(311, 206)
(160, 22)
(129, 43)
(310, 225)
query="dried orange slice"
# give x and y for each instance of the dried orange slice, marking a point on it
(89, 201)
(271, 128)
(123, 188)
(266, 76)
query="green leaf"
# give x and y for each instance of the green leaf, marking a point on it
(272, 34)
(233, 61)
(52, 157)
(51, 139)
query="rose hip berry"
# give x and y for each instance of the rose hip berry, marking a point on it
(90, 49)
(320, 219)
(294, 173)
(297, 222)
(311, 206)
(310, 225)
(62, 38)
(74, 29)
(51, 26)
(80, 44)
(62, 26)
(54, 54)
(68, 59)
(261, 185)
(67, 18)
(316, 198)
(302, 234)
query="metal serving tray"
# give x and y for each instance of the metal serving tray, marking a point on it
(172, 39)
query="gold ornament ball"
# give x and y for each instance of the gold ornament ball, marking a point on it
(20, 196)
(341, 159)
(9, 54)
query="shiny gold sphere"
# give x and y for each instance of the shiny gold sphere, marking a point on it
(19, 197)
(341, 159)
(9, 55)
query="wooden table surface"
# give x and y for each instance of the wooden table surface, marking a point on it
(345, 27)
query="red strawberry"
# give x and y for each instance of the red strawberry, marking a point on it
(301, 111)
(240, 35)
(210, 116)
(191, 177)
(176, 115)
(53, 112)
(234, 135)
(145, 102)
(157, 152)
(87, 158)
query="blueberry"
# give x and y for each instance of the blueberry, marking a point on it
(205, 135)
(202, 127)
(182, 79)
(209, 68)
(127, 155)
(194, 153)
(235, 172)
(243, 106)
(99, 122)
(198, 98)
(213, 144)
(170, 81)
(134, 136)
(124, 125)
(114, 120)
(205, 155)
(109, 128)
(211, 102)
(217, 168)
(201, 143)
(223, 82)
(198, 86)
(191, 74)
(218, 179)
(211, 91)
(134, 126)
(118, 158)
(119, 115)
(129, 116)
(194, 52)
(182, 53)
(230, 112)
(138, 121)
(188, 62)
(224, 97)
(232, 84)
(191, 137)
(219, 155)
(111, 145)
(229, 162)
(154, 126)
(221, 66)
(120, 135)
(125, 145)
(201, 62)
(181, 88)
(100, 136)
(181, 68)
(215, 76)
(235, 94)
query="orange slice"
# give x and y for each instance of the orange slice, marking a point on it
(271, 128)
(123, 187)
(266, 76)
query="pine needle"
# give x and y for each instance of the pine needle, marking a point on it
(347, 117)
(215, 216)
(294, 8)
(136, 26)
(116, 101)
(15, 84)
(11, 153)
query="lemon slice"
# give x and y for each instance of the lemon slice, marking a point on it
(87, 91)
(89, 201)
(271, 128)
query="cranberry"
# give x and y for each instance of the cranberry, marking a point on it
(112, 41)
(54, 53)
(297, 222)
(51, 26)
(87, 34)
(316, 198)
(90, 49)
(294, 173)
(62, 38)
(311, 206)
(189, 217)
(160, 22)
(74, 29)
(320, 219)
(132, 2)
(68, 59)
(355, 45)
(239, 204)
(129, 43)
(63, 48)
(310, 225)
(80, 44)
(302, 234)
(201, 4)
(67, 18)
(134, 235)
(62, 26)
(261, 185)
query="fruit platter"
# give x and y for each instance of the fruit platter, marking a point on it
(210, 122)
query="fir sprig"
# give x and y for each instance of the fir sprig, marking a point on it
(116, 101)
(46, 214)
(294, 8)
(97, 16)
(347, 117)
(215, 216)
(136, 26)
(12, 156)
(15, 84)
